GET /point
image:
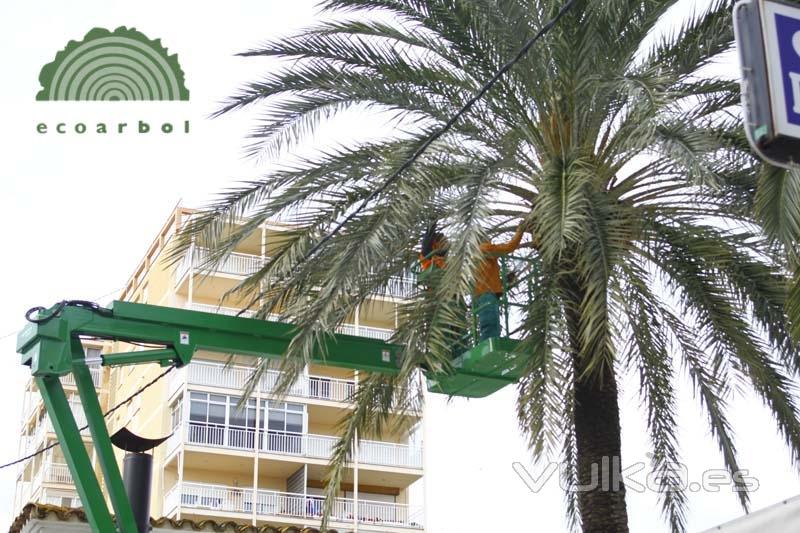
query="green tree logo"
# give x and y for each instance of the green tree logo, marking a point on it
(123, 65)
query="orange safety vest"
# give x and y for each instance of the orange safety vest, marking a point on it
(435, 260)
(488, 275)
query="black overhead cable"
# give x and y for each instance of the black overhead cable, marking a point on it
(449, 124)
(105, 415)
(435, 135)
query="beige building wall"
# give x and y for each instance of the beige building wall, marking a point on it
(207, 472)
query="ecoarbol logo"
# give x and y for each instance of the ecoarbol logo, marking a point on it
(104, 127)
(122, 65)
(109, 67)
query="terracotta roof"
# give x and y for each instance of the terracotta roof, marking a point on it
(40, 511)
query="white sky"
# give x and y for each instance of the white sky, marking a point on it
(79, 211)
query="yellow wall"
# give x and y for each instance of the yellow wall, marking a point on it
(148, 415)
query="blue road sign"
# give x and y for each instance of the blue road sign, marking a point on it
(768, 38)
(788, 33)
(781, 24)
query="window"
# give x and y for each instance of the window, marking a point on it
(207, 414)
(286, 417)
(285, 424)
(242, 423)
(217, 419)
(242, 416)
(208, 408)
(176, 414)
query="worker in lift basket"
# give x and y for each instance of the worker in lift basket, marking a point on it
(432, 260)
(488, 285)
(432, 256)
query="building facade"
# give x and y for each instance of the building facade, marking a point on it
(259, 461)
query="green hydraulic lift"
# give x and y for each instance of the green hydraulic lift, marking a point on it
(51, 347)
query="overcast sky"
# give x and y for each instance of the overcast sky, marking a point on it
(79, 211)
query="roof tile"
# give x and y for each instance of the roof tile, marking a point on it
(42, 512)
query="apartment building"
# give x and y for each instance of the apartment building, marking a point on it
(45, 478)
(258, 462)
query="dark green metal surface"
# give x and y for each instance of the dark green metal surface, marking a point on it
(102, 441)
(80, 465)
(184, 332)
(53, 349)
(488, 367)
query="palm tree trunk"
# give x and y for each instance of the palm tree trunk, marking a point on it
(601, 499)
(601, 491)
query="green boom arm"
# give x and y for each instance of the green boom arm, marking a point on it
(52, 348)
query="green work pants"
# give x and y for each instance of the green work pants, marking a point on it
(488, 309)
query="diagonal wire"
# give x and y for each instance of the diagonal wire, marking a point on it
(446, 127)
(435, 135)
(105, 415)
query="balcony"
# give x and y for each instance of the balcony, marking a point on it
(33, 399)
(26, 444)
(94, 370)
(53, 473)
(242, 265)
(210, 374)
(73, 501)
(227, 311)
(303, 445)
(235, 264)
(45, 426)
(372, 452)
(274, 504)
(365, 331)
(236, 377)
(348, 329)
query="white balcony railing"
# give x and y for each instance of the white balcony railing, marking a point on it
(236, 377)
(94, 370)
(25, 444)
(210, 374)
(45, 426)
(306, 445)
(73, 502)
(365, 331)
(238, 264)
(227, 311)
(389, 454)
(33, 400)
(298, 444)
(268, 503)
(174, 441)
(235, 264)
(294, 444)
(347, 329)
(23, 494)
(402, 286)
(55, 473)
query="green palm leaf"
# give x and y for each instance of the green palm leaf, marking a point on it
(657, 241)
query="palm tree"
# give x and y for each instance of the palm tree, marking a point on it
(628, 164)
(777, 206)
